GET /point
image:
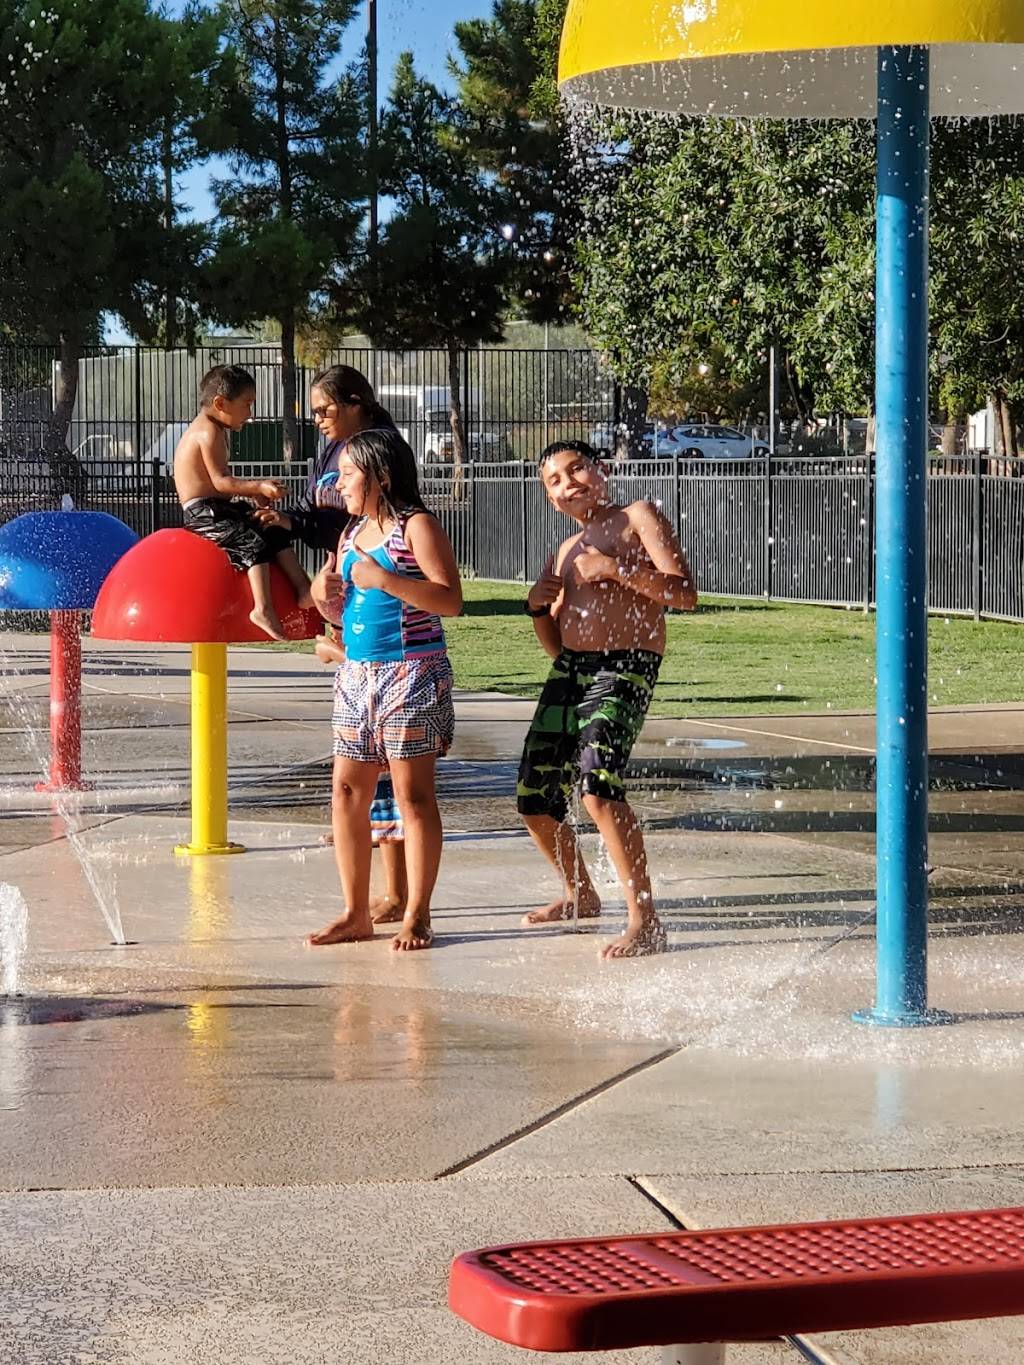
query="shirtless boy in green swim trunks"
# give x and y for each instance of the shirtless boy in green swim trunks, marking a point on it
(599, 611)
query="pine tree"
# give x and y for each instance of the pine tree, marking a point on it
(515, 132)
(176, 306)
(439, 276)
(289, 217)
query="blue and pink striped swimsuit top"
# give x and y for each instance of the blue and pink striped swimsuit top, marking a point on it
(376, 627)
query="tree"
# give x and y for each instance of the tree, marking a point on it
(177, 299)
(977, 195)
(289, 217)
(517, 140)
(439, 278)
(704, 234)
(86, 89)
(681, 391)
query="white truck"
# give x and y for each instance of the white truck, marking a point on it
(421, 414)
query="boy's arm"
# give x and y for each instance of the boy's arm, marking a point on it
(670, 583)
(547, 591)
(439, 591)
(548, 635)
(215, 457)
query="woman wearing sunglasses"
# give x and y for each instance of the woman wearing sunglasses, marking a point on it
(342, 403)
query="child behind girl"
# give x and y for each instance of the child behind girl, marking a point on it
(393, 578)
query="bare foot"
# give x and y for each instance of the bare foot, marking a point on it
(589, 908)
(267, 622)
(643, 940)
(327, 840)
(347, 928)
(413, 935)
(387, 910)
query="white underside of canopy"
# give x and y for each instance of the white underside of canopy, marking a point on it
(967, 80)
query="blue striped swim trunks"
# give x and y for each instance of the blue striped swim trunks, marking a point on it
(385, 817)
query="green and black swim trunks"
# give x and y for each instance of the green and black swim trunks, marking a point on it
(590, 712)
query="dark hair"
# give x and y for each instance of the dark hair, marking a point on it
(344, 384)
(225, 381)
(383, 456)
(577, 447)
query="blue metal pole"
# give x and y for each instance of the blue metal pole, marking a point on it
(901, 417)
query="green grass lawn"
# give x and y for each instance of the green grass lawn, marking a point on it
(747, 658)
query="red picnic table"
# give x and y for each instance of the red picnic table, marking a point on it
(692, 1292)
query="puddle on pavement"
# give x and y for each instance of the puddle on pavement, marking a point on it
(52, 1009)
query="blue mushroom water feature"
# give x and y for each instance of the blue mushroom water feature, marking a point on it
(56, 562)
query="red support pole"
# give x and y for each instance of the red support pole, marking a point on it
(65, 704)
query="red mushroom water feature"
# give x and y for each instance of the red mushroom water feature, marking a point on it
(176, 588)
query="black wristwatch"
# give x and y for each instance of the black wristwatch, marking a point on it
(541, 611)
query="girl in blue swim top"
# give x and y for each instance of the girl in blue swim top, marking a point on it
(342, 402)
(392, 579)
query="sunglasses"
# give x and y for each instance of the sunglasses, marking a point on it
(319, 413)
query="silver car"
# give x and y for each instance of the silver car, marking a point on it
(708, 442)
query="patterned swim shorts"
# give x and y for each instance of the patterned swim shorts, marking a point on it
(590, 711)
(398, 710)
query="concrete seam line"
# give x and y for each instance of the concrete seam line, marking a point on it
(57, 838)
(809, 1349)
(776, 734)
(557, 1113)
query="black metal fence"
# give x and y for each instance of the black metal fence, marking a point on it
(792, 529)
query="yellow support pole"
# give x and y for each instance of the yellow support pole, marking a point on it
(209, 752)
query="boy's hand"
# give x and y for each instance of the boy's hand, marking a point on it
(547, 589)
(366, 572)
(270, 516)
(592, 566)
(272, 489)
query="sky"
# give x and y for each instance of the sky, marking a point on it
(424, 27)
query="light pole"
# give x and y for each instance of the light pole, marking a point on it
(371, 148)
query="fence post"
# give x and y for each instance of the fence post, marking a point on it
(155, 480)
(868, 523)
(522, 515)
(467, 416)
(976, 559)
(471, 509)
(138, 411)
(677, 493)
(768, 539)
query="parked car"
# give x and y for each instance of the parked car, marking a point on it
(709, 443)
(482, 447)
(602, 438)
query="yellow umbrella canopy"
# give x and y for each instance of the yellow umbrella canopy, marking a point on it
(780, 59)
